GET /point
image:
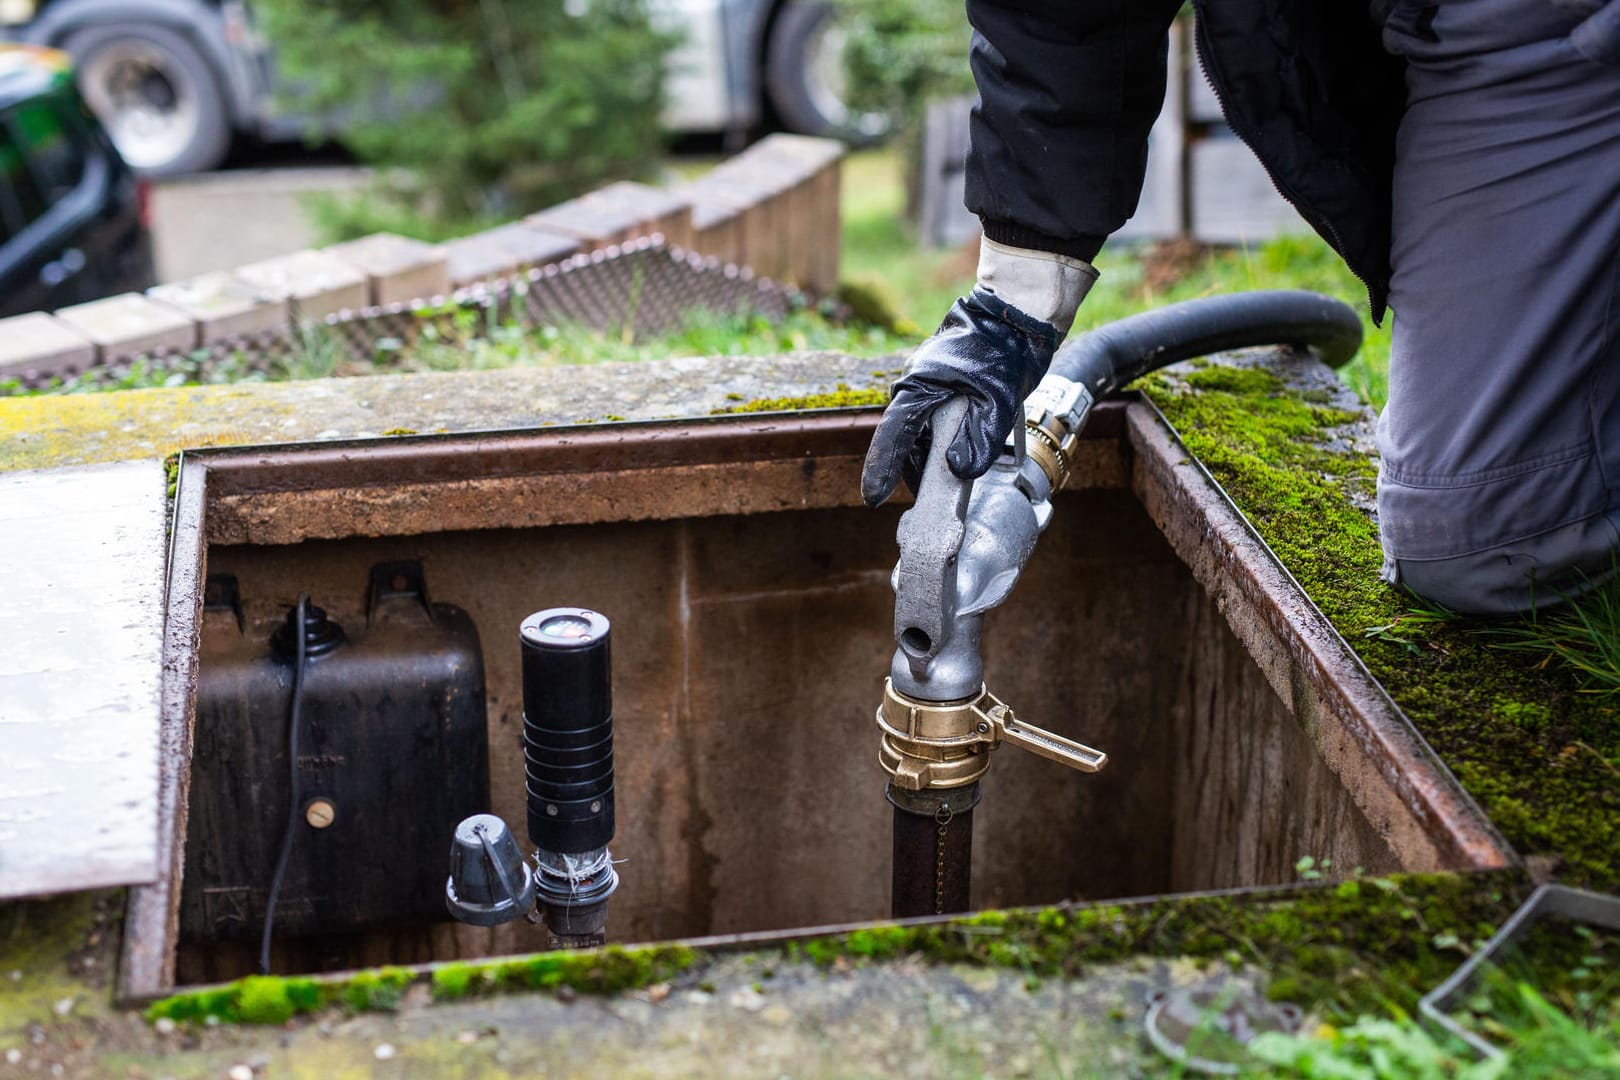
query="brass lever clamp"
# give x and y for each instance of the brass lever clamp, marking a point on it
(926, 745)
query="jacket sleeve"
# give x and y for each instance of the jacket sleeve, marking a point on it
(1068, 91)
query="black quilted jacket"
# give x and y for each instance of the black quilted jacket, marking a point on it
(1068, 90)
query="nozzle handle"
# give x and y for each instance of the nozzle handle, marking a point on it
(1005, 727)
(930, 536)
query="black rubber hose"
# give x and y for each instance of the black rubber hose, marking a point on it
(294, 721)
(1111, 356)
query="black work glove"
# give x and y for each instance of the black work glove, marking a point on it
(987, 351)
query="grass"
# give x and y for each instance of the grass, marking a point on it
(1582, 635)
(1538, 1040)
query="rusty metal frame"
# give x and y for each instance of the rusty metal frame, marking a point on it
(733, 464)
(745, 464)
(1383, 761)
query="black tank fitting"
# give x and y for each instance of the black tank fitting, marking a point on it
(568, 729)
(568, 767)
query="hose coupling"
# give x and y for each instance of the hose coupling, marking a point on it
(1054, 413)
(932, 745)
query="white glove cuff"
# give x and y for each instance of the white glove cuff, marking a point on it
(1039, 283)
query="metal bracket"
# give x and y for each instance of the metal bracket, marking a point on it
(1576, 905)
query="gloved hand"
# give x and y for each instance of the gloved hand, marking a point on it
(992, 348)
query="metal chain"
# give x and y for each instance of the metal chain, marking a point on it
(943, 816)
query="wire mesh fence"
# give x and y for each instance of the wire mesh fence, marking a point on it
(639, 289)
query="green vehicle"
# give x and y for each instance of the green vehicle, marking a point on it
(71, 211)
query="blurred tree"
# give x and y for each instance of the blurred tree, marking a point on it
(476, 109)
(902, 54)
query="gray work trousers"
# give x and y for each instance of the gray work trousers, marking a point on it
(1500, 481)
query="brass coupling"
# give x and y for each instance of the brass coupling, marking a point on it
(930, 746)
(1050, 444)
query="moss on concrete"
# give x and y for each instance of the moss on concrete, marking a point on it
(56, 956)
(74, 429)
(1358, 946)
(270, 999)
(1511, 728)
(840, 397)
(1354, 947)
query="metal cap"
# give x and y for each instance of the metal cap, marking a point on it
(563, 628)
(489, 883)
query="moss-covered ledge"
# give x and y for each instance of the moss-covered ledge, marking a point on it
(1344, 949)
(1294, 452)
(1062, 989)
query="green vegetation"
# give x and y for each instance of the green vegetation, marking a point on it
(465, 340)
(1582, 636)
(840, 397)
(1359, 946)
(902, 54)
(475, 111)
(271, 999)
(1543, 1042)
(1542, 758)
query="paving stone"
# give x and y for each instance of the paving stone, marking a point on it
(130, 324)
(593, 226)
(397, 268)
(655, 210)
(316, 284)
(505, 251)
(40, 342)
(223, 306)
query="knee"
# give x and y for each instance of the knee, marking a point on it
(1532, 573)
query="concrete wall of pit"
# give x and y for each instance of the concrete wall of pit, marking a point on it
(749, 653)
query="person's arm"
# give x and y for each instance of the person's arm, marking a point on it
(1068, 92)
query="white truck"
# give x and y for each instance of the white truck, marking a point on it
(175, 82)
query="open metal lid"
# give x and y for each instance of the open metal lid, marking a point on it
(81, 652)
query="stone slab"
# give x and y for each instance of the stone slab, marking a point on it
(80, 676)
(40, 342)
(129, 324)
(397, 268)
(505, 251)
(593, 225)
(654, 209)
(72, 429)
(223, 306)
(315, 283)
(809, 152)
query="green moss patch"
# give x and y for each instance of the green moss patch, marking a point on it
(601, 971)
(270, 999)
(1359, 946)
(840, 397)
(55, 950)
(1542, 758)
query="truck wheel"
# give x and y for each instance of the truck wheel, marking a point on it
(156, 95)
(804, 75)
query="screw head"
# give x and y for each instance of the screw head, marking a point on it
(551, 809)
(983, 728)
(320, 813)
(596, 807)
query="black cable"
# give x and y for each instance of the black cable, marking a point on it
(293, 713)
